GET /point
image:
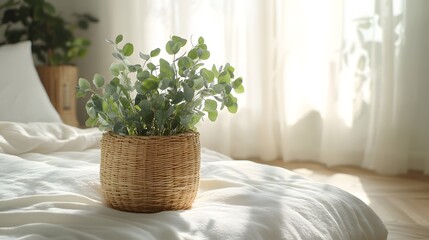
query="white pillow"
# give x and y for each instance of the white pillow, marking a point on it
(22, 96)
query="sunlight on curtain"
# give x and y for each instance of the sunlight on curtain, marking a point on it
(310, 44)
(334, 81)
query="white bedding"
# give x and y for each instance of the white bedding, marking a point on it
(48, 190)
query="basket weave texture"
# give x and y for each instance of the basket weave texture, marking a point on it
(150, 174)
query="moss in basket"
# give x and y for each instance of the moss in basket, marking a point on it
(158, 97)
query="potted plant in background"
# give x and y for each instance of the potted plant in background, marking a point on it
(54, 45)
(150, 152)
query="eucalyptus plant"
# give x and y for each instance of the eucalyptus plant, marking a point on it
(159, 97)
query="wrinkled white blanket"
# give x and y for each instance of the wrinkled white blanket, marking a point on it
(49, 190)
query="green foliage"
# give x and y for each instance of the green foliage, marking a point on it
(53, 39)
(159, 97)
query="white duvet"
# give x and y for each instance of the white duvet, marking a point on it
(49, 190)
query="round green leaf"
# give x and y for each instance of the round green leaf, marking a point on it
(169, 46)
(233, 108)
(218, 88)
(176, 47)
(131, 68)
(185, 63)
(237, 82)
(215, 71)
(229, 68)
(210, 105)
(188, 93)
(164, 83)
(185, 120)
(155, 52)
(98, 103)
(151, 66)
(229, 100)
(144, 56)
(198, 83)
(128, 49)
(119, 127)
(119, 38)
(80, 93)
(195, 119)
(177, 98)
(224, 77)
(228, 89)
(84, 84)
(182, 41)
(203, 46)
(213, 116)
(205, 55)
(150, 84)
(207, 75)
(91, 122)
(166, 71)
(201, 40)
(239, 89)
(110, 89)
(142, 75)
(116, 68)
(98, 80)
(193, 54)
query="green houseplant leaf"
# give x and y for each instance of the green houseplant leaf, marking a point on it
(128, 49)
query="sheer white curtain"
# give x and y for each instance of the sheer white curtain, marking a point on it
(335, 81)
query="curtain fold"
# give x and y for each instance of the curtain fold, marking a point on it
(335, 81)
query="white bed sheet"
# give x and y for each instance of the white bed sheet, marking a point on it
(49, 178)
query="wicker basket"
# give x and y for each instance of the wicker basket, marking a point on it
(150, 174)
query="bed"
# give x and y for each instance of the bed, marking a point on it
(49, 186)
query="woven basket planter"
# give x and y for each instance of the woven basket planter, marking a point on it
(150, 174)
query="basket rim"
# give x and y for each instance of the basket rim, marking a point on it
(181, 135)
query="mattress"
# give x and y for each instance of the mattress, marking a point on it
(49, 189)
